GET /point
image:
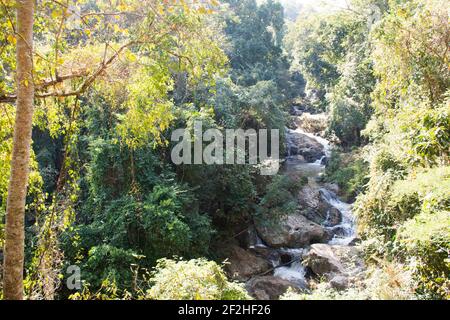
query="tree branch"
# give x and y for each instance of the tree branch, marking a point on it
(86, 84)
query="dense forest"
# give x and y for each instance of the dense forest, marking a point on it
(92, 205)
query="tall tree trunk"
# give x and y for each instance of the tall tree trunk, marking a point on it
(17, 190)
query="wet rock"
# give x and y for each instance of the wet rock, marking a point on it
(312, 205)
(285, 258)
(249, 238)
(313, 123)
(267, 253)
(334, 217)
(243, 264)
(292, 231)
(354, 242)
(338, 231)
(322, 260)
(297, 159)
(333, 187)
(334, 260)
(295, 111)
(301, 144)
(268, 287)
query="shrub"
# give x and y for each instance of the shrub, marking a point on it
(324, 291)
(426, 239)
(193, 280)
(108, 262)
(412, 214)
(280, 197)
(349, 171)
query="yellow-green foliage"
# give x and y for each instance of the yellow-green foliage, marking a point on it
(197, 279)
(107, 291)
(426, 238)
(193, 280)
(349, 171)
(323, 291)
(413, 214)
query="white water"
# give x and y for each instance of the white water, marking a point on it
(295, 272)
(347, 225)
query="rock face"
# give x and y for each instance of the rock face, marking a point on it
(339, 264)
(322, 260)
(243, 264)
(333, 187)
(267, 253)
(314, 123)
(292, 231)
(312, 205)
(334, 217)
(300, 144)
(268, 287)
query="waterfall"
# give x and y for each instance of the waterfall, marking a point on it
(294, 272)
(347, 225)
(344, 231)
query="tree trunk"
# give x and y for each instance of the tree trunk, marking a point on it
(17, 190)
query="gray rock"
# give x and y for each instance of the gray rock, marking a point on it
(268, 287)
(354, 242)
(334, 217)
(339, 282)
(292, 231)
(322, 260)
(265, 252)
(334, 260)
(312, 205)
(243, 264)
(300, 144)
(333, 187)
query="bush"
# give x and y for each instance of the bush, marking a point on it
(349, 171)
(412, 214)
(324, 291)
(427, 241)
(111, 263)
(280, 198)
(193, 280)
(157, 226)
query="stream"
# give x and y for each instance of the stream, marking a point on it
(343, 232)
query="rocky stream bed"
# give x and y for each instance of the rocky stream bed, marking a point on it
(317, 243)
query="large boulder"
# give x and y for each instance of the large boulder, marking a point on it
(301, 144)
(243, 264)
(268, 287)
(322, 260)
(271, 255)
(312, 204)
(333, 187)
(341, 265)
(334, 217)
(291, 231)
(314, 123)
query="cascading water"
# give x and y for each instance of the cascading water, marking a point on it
(346, 228)
(344, 231)
(295, 271)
